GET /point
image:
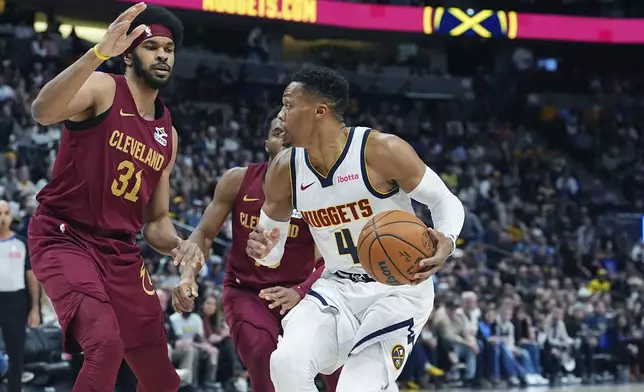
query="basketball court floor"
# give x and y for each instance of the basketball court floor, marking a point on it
(575, 388)
(638, 387)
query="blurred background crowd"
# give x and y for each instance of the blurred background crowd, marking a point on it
(542, 142)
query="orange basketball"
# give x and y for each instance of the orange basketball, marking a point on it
(391, 244)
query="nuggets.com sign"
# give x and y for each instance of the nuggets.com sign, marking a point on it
(289, 10)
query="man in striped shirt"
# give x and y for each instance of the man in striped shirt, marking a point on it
(19, 296)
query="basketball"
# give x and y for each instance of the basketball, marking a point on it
(391, 244)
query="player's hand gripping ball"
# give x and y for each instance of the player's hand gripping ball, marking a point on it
(396, 248)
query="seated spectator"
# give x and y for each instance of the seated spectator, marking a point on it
(489, 343)
(578, 330)
(188, 328)
(524, 335)
(595, 343)
(225, 365)
(558, 347)
(169, 276)
(176, 348)
(516, 361)
(452, 331)
(470, 312)
(622, 344)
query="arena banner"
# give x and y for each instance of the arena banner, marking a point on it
(426, 20)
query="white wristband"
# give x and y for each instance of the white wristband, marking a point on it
(451, 237)
(275, 255)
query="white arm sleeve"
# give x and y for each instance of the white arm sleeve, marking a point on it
(275, 255)
(447, 210)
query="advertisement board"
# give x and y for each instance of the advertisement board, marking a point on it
(426, 20)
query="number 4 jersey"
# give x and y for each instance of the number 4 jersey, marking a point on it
(108, 167)
(337, 205)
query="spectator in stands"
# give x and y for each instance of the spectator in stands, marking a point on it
(169, 276)
(622, 345)
(637, 252)
(504, 331)
(597, 323)
(558, 346)
(577, 329)
(470, 312)
(188, 328)
(524, 335)
(457, 339)
(226, 366)
(600, 284)
(185, 369)
(38, 47)
(489, 360)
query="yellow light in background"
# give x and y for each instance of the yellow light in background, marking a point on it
(92, 34)
(2, 5)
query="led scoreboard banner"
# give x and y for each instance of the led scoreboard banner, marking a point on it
(456, 22)
(426, 20)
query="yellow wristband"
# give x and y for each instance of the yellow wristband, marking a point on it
(99, 55)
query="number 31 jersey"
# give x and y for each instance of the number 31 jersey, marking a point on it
(108, 167)
(337, 206)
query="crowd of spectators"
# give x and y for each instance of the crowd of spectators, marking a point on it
(537, 293)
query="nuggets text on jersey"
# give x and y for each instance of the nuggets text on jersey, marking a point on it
(338, 214)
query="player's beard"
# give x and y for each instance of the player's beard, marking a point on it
(151, 80)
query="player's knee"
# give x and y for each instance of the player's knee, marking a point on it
(368, 361)
(291, 367)
(96, 330)
(258, 348)
(108, 347)
(279, 362)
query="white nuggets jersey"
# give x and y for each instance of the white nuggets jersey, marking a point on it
(338, 205)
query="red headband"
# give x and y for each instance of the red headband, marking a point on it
(153, 30)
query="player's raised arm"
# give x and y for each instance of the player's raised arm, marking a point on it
(73, 93)
(215, 215)
(396, 161)
(266, 242)
(159, 232)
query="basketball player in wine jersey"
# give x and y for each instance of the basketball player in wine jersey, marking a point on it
(338, 177)
(109, 181)
(256, 297)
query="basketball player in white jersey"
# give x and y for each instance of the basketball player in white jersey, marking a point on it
(338, 177)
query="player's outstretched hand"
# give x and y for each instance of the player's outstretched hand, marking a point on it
(116, 39)
(261, 241)
(188, 253)
(287, 298)
(428, 267)
(184, 294)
